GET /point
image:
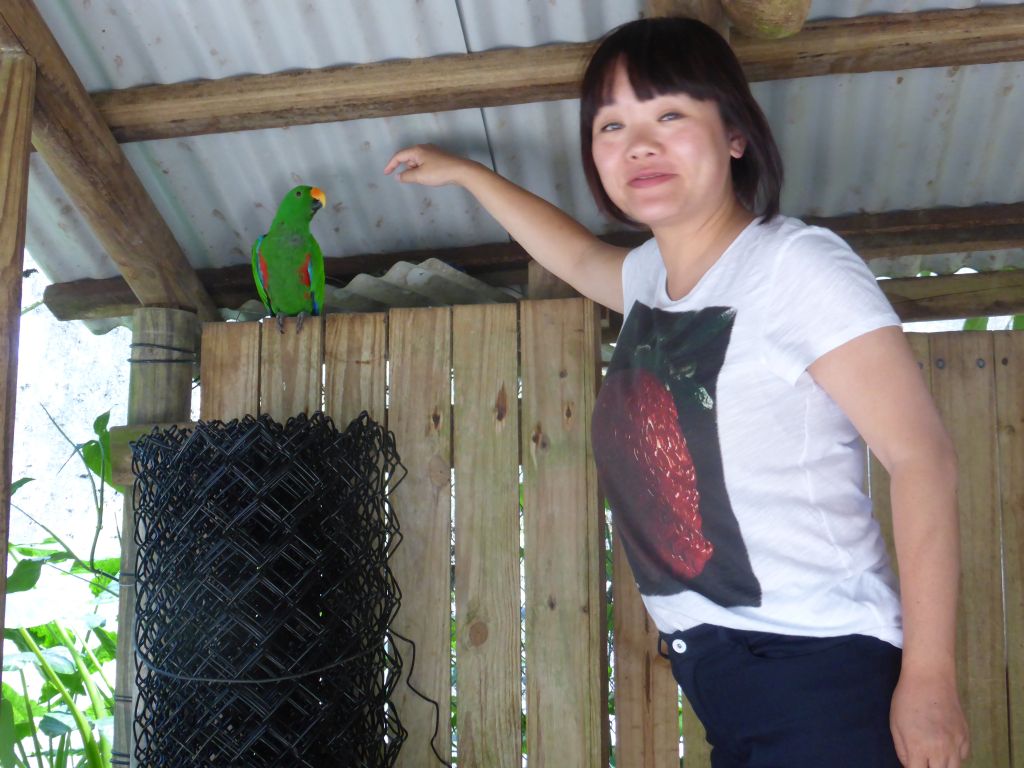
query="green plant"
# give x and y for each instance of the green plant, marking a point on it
(58, 714)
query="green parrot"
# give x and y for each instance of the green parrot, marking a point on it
(287, 263)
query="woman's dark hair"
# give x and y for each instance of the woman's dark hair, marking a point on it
(680, 55)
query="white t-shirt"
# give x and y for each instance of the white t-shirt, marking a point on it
(736, 483)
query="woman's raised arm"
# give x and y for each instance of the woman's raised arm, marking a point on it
(558, 242)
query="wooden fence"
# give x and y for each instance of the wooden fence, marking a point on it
(475, 393)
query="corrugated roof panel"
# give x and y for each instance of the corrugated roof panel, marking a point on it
(535, 22)
(871, 142)
(883, 141)
(122, 43)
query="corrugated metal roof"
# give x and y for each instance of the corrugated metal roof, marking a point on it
(872, 142)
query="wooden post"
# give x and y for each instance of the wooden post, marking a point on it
(17, 89)
(164, 343)
(77, 145)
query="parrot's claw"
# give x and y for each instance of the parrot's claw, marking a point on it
(280, 322)
(299, 320)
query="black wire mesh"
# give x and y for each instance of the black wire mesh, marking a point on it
(264, 595)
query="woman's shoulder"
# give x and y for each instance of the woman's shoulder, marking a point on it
(793, 242)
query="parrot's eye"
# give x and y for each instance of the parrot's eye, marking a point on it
(298, 194)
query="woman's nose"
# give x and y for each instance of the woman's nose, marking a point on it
(642, 145)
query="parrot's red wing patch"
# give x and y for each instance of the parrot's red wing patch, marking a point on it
(304, 271)
(264, 276)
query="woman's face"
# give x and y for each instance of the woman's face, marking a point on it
(665, 160)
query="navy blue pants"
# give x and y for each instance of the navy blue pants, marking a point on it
(778, 701)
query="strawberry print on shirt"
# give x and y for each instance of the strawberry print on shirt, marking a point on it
(656, 445)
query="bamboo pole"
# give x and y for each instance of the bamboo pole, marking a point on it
(17, 92)
(164, 344)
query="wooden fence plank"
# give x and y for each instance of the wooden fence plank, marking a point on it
(486, 458)
(646, 694)
(878, 478)
(563, 543)
(290, 368)
(964, 389)
(229, 371)
(354, 359)
(419, 414)
(1009, 372)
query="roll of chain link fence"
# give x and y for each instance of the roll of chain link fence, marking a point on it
(265, 596)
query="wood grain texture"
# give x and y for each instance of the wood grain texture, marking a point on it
(419, 414)
(1009, 373)
(157, 393)
(566, 721)
(73, 138)
(486, 460)
(291, 375)
(355, 348)
(229, 372)
(871, 235)
(646, 694)
(544, 73)
(964, 389)
(17, 85)
(953, 296)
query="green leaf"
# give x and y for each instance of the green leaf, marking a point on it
(6, 733)
(96, 453)
(56, 724)
(15, 661)
(25, 575)
(100, 584)
(976, 324)
(61, 661)
(18, 483)
(99, 425)
(111, 565)
(108, 645)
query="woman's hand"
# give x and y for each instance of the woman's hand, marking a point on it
(429, 165)
(927, 723)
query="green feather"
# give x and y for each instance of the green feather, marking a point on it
(288, 255)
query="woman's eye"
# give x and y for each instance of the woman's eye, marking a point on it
(670, 116)
(608, 127)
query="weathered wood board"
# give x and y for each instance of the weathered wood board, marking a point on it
(563, 541)
(419, 413)
(486, 461)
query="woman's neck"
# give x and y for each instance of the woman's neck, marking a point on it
(691, 249)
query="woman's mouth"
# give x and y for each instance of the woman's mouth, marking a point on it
(649, 179)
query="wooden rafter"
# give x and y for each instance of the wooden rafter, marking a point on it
(17, 83)
(78, 147)
(543, 73)
(941, 230)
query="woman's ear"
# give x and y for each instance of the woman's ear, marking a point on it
(737, 144)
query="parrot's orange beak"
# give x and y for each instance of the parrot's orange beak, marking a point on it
(319, 198)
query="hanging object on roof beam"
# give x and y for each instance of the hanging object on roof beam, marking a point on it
(767, 19)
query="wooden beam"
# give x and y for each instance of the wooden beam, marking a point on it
(543, 73)
(17, 85)
(985, 294)
(74, 140)
(876, 235)
(930, 230)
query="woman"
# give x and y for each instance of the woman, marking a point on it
(754, 350)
